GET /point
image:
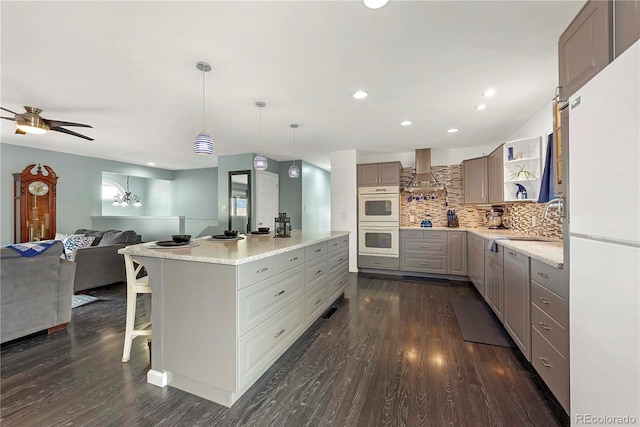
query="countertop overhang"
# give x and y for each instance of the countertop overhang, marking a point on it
(251, 248)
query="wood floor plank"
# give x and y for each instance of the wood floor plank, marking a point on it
(391, 355)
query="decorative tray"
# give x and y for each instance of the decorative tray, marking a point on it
(223, 237)
(170, 244)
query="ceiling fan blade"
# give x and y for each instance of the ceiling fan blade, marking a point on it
(20, 132)
(70, 132)
(7, 110)
(58, 123)
(8, 118)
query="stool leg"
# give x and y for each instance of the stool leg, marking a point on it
(131, 317)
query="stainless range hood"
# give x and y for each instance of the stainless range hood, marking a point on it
(423, 179)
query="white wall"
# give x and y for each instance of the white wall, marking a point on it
(537, 125)
(316, 198)
(344, 198)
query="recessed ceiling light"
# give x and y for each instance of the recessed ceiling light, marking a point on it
(489, 92)
(360, 94)
(453, 130)
(406, 123)
(375, 4)
(151, 164)
(481, 107)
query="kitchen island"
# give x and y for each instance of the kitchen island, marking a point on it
(224, 310)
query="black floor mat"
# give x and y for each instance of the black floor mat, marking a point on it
(478, 323)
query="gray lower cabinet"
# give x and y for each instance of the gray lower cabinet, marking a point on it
(550, 328)
(457, 253)
(371, 261)
(517, 304)
(423, 251)
(476, 261)
(494, 280)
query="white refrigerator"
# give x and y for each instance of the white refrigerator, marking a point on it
(604, 244)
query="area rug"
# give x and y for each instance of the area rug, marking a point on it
(478, 323)
(81, 299)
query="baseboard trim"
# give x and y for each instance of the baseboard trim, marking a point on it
(157, 378)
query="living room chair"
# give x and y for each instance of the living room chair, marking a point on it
(135, 285)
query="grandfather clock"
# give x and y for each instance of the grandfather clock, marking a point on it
(34, 204)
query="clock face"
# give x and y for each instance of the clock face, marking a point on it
(38, 188)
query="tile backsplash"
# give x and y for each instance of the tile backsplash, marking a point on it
(434, 206)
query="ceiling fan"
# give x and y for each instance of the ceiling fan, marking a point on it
(32, 122)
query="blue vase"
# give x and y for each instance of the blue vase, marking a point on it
(510, 156)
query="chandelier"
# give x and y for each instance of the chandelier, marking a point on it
(127, 198)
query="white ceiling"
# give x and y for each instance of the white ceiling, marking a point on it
(128, 69)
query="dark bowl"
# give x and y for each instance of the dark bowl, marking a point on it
(263, 229)
(231, 233)
(181, 238)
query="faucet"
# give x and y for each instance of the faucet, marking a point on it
(557, 203)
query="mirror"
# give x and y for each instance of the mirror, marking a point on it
(240, 201)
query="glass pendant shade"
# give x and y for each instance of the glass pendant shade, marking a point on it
(260, 162)
(203, 145)
(294, 171)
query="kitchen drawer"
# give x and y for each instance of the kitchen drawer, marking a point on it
(314, 251)
(411, 234)
(550, 329)
(315, 272)
(255, 271)
(552, 304)
(552, 367)
(423, 264)
(338, 242)
(435, 234)
(425, 247)
(549, 277)
(260, 347)
(337, 281)
(387, 263)
(315, 301)
(263, 299)
(290, 259)
(337, 259)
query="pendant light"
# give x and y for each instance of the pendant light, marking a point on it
(203, 145)
(260, 162)
(294, 170)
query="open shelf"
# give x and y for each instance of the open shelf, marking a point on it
(529, 151)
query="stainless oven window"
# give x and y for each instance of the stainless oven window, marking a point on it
(375, 239)
(378, 208)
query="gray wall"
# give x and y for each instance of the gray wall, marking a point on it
(316, 198)
(290, 194)
(80, 182)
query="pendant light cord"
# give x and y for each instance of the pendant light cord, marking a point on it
(260, 130)
(203, 97)
(294, 145)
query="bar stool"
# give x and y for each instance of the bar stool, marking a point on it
(135, 286)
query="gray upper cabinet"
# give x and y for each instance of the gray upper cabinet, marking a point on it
(517, 300)
(476, 181)
(626, 24)
(585, 47)
(387, 173)
(495, 175)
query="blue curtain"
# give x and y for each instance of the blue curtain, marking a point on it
(546, 185)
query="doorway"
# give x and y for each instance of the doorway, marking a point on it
(266, 199)
(240, 201)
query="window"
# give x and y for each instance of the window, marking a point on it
(111, 189)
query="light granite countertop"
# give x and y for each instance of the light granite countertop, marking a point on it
(548, 251)
(232, 252)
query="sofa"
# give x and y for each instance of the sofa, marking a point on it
(100, 264)
(36, 292)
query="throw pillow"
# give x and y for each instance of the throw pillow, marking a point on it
(76, 242)
(116, 237)
(91, 233)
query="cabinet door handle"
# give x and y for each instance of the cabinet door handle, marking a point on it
(541, 274)
(279, 333)
(318, 250)
(424, 263)
(512, 254)
(279, 293)
(318, 302)
(295, 258)
(335, 244)
(318, 272)
(341, 259)
(262, 270)
(424, 247)
(544, 326)
(544, 300)
(377, 263)
(544, 362)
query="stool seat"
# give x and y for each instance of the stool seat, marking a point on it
(135, 285)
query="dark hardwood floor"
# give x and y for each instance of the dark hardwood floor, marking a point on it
(391, 355)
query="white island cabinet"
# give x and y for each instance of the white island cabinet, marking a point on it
(224, 311)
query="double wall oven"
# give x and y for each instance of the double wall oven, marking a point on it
(379, 221)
